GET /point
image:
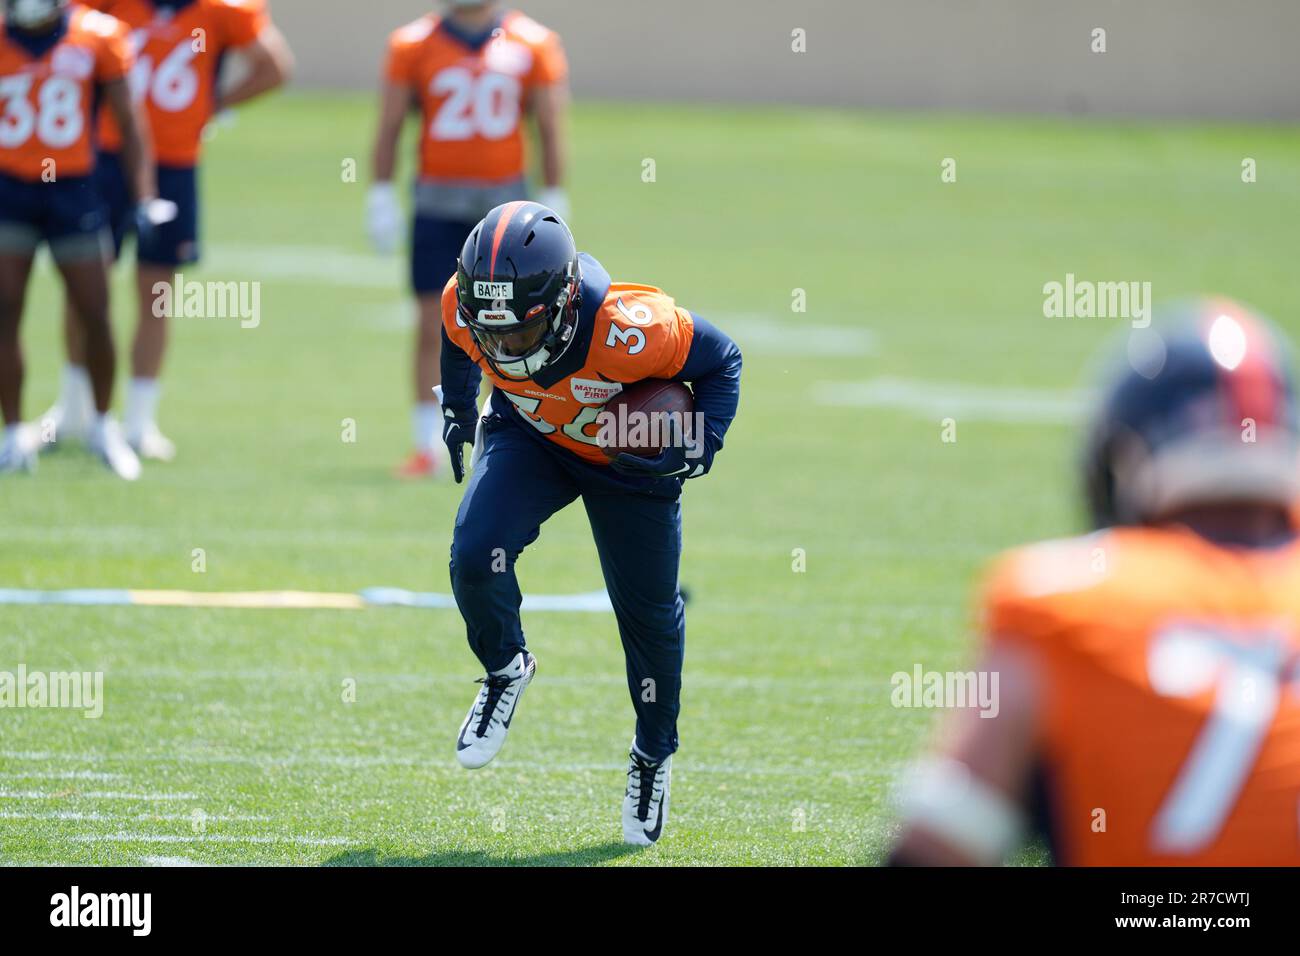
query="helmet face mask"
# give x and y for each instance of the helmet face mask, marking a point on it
(514, 343)
(517, 288)
(34, 14)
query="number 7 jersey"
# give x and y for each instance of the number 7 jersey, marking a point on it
(1169, 704)
(47, 103)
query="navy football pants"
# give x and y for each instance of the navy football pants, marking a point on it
(517, 485)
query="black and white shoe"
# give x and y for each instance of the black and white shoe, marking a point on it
(645, 804)
(488, 721)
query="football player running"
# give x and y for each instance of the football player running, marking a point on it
(179, 46)
(473, 76)
(57, 60)
(557, 339)
(1149, 692)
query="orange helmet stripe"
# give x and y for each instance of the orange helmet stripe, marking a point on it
(503, 223)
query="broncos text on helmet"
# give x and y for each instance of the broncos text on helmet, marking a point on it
(1201, 411)
(517, 288)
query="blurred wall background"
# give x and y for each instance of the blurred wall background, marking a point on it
(1229, 58)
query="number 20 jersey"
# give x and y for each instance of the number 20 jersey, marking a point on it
(178, 55)
(473, 101)
(47, 103)
(1169, 728)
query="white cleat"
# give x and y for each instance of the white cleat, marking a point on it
(152, 444)
(645, 803)
(18, 450)
(107, 443)
(488, 721)
(60, 425)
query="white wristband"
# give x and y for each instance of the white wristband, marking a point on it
(942, 797)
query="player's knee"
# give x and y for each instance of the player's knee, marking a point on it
(475, 559)
(656, 624)
(95, 327)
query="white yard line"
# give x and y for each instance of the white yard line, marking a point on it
(93, 795)
(961, 402)
(61, 775)
(792, 335)
(317, 265)
(438, 765)
(207, 838)
(169, 861)
(270, 674)
(74, 817)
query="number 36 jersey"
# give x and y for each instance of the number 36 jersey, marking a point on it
(1169, 709)
(47, 103)
(636, 332)
(473, 100)
(178, 54)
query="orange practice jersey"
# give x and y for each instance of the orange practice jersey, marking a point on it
(1170, 730)
(175, 73)
(47, 105)
(639, 333)
(473, 101)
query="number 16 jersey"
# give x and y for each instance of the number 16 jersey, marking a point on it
(178, 56)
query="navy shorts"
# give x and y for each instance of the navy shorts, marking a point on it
(175, 243)
(435, 249)
(65, 213)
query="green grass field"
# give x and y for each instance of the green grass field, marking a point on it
(225, 736)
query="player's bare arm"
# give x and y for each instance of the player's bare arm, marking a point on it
(963, 804)
(137, 142)
(383, 212)
(270, 64)
(550, 105)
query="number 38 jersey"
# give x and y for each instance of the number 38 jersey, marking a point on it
(473, 101)
(178, 54)
(637, 332)
(47, 103)
(1170, 702)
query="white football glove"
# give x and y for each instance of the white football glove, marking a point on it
(556, 198)
(384, 218)
(151, 214)
(159, 212)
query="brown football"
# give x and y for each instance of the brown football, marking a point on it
(637, 419)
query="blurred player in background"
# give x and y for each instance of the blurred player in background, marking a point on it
(56, 62)
(1149, 688)
(179, 47)
(472, 76)
(557, 340)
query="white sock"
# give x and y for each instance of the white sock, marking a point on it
(141, 404)
(75, 394)
(426, 425)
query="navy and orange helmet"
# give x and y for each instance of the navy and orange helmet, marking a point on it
(33, 14)
(1200, 411)
(517, 287)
